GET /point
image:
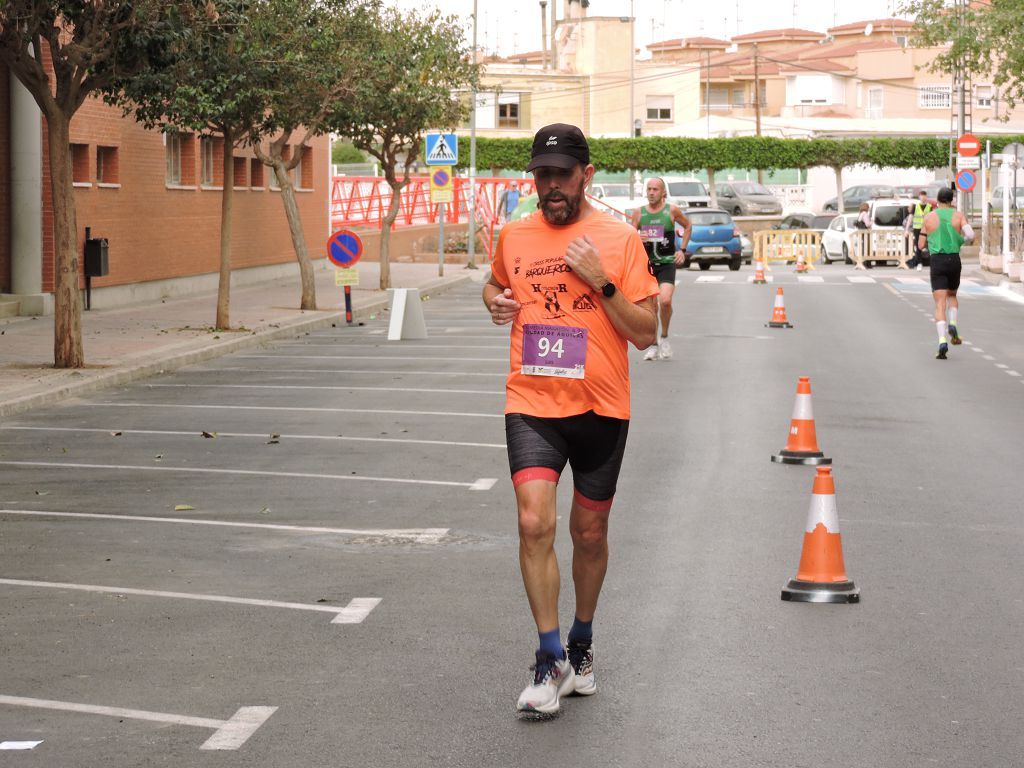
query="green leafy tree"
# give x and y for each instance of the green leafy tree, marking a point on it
(317, 47)
(64, 51)
(218, 84)
(414, 66)
(982, 38)
(343, 153)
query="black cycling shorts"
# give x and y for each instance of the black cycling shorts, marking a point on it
(664, 273)
(593, 445)
(945, 271)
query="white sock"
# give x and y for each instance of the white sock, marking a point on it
(940, 326)
(951, 314)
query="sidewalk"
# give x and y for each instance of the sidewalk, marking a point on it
(133, 342)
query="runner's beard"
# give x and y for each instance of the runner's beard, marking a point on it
(566, 214)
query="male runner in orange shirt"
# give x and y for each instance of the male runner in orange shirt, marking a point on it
(575, 284)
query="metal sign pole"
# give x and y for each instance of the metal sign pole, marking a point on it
(348, 304)
(440, 240)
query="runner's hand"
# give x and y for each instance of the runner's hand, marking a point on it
(583, 259)
(679, 258)
(504, 308)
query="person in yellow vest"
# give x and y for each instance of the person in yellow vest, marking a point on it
(921, 208)
(944, 231)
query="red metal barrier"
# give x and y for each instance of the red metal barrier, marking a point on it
(363, 201)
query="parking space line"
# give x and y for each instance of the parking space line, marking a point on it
(860, 279)
(500, 393)
(228, 734)
(418, 535)
(708, 279)
(810, 279)
(355, 612)
(260, 435)
(478, 485)
(384, 345)
(377, 357)
(910, 280)
(341, 370)
(290, 408)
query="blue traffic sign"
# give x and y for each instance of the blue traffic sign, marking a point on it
(965, 181)
(344, 248)
(442, 149)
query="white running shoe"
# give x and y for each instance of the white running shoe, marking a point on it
(919, 267)
(581, 656)
(651, 353)
(552, 679)
(664, 350)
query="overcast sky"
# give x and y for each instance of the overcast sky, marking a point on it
(513, 26)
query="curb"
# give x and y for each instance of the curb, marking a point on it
(172, 362)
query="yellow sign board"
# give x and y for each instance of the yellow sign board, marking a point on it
(348, 276)
(441, 186)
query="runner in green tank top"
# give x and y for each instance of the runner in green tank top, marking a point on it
(944, 231)
(657, 224)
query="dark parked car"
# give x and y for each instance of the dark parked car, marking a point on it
(748, 198)
(806, 220)
(854, 196)
(714, 239)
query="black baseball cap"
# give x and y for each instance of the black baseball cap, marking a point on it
(559, 145)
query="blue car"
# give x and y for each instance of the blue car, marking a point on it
(714, 239)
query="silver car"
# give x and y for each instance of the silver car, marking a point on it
(748, 198)
(995, 203)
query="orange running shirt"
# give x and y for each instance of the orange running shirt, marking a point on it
(529, 259)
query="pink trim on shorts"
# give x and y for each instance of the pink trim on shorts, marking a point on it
(593, 506)
(534, 473)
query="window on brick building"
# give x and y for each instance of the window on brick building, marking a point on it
(241, 172)
(180, 151)
(107, 168)
(80, 163)
(256, 173)
(934, 96)
(304, 170)
(206, 156)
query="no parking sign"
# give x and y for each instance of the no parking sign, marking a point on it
(344, 248)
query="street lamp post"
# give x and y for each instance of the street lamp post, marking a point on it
(632, 122)
(471, 200)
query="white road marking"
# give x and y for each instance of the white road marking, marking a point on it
(499, 393)
(988, 357)
(228, 734)
(260, 435)
(342, 370)
(354, 613)
(419, 535)
(968, 343)
(810, 279)
(397, 358)
(910, 280)
(293, 408)
(767, 278)
(484, 484)
(709, 279)
(1013, 373)
(890, 289)
(19, 744)
(977, 349)
(858, 279)
(383, 346)
(474, 486)
(1001, 365)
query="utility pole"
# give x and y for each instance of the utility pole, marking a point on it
(757, 105)
(471, 224)
(632, 108)
(707, 91)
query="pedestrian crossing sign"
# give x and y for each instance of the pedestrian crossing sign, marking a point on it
(442, 149)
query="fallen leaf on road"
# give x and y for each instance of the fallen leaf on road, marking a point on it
(158, 456)
(275, 439)
(42, 493)
(209, 434)
(183, 507)
(115, 434)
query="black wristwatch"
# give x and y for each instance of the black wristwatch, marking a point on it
(608, 289)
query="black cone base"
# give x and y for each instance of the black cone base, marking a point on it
(813, 592)
(778, 325)
(798, 457)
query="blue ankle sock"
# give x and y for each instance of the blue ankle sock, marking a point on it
(551, 643)
(582, 631)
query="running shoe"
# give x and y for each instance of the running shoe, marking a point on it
(581, 656)
(552, 679)
(664, 350)
(954, 337)
(651, 353)
(941, 354)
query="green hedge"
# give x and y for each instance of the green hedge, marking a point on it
(748, 152)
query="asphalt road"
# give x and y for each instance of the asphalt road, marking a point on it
(346, 470)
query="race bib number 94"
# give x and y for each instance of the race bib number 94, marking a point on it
(554, 350)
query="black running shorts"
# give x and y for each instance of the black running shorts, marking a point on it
(593, 445)
(945, 271)
(664, 273)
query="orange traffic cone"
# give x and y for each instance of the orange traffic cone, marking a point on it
(759, 273)
(802, 447)
(821, 576)
(779, 312)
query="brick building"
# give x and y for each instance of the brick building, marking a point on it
(155, 197)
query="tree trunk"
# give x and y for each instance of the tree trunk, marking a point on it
(67, 321)
(291, 212)
(712, 191)
(840, 208)
(223, 321)
(385, 233)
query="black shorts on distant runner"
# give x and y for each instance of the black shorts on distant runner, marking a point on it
(945, 271)
(664, 273)
(593, 445)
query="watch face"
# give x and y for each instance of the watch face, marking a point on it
(609, 289)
